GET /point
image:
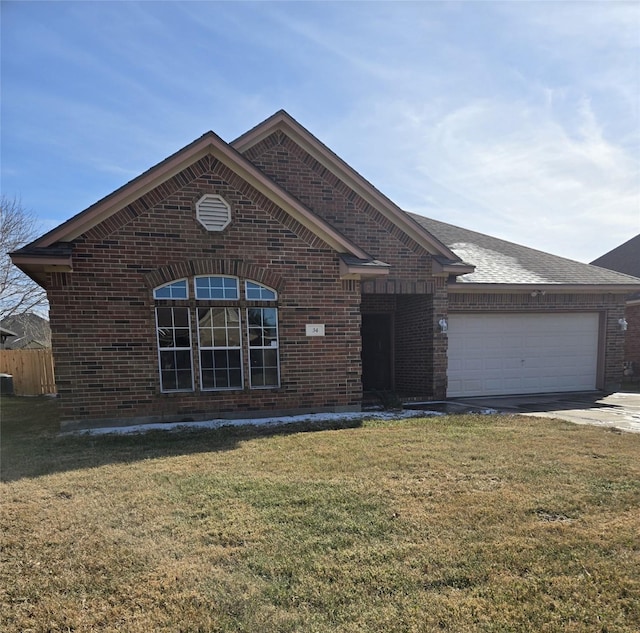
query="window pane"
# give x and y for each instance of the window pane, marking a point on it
(271, 376)
(234, 337)
(220, 358)
(175, 290)
(174, 345)
(206, 359)
(181, 317)
(270, 357)
(204, 317)
(269, 316)
(254, 317)
(184, 379)
(206, 338)
(164, 317)
(257, 377)
(257, 291)
(169, 381)
(167, 360)
(218, 317)
(216, 288)
(221, 368)
(182, 337)
(220, 337)
(255, 337)
(207, 379)
(183, 359)
(165, 337)
(220, 378)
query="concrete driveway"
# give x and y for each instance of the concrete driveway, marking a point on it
(615, 411)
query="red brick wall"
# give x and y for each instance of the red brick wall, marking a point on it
(632, 335)
(610, 306)
(102, 314)
(420, 358)
(300, 174)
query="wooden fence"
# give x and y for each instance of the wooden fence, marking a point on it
(32, 370)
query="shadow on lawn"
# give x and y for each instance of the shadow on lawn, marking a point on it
(31, 445)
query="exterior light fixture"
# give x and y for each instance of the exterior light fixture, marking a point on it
(623, 324)
(444, 326)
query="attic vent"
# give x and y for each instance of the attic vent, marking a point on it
(213, 212)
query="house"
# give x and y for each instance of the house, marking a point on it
(626, 259)
(30, 331)
(266, 276)
(4, 335)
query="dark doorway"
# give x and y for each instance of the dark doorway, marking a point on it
(377, 352)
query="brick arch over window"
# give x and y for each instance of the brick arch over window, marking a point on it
(195, 267)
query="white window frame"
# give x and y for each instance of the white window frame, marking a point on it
(174, 348)
(216, 348)
(241, 304)
(261, 288)
(224, 288)
(173, 285)
(269, 347)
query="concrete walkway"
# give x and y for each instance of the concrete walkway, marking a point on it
(616, 411)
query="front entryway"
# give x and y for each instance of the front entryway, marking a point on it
(377, 352)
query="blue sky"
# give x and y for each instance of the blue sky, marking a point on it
(516, 119)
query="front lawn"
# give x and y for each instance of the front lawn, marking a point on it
(453, 523)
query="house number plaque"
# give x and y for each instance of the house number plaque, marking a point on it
(315, 329)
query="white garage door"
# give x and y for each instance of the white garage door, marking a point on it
(495, 354)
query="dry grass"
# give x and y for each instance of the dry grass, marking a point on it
(458, 523)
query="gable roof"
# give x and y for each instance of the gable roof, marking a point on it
(445, 259)
(26, 330)
(49, 253)
(623, 259)
(510, 266)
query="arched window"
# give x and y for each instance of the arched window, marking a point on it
(221, 316)
(172, 290)
(254, 290)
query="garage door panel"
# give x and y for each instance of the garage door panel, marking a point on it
(503, 354)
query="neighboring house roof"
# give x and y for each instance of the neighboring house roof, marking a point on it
(503, 263)
(5, 334)
(27, 331)
(624, 258)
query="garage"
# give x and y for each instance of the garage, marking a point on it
(501, 354)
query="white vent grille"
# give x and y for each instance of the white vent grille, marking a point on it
(213, 212)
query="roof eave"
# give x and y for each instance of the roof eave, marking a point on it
(543, 288)
(451, 268)
(369, 269)
(38, 266)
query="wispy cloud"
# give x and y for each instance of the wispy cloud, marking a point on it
(497, 116)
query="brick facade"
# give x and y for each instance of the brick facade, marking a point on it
(103, 310)
(102, 315)
(632, 338)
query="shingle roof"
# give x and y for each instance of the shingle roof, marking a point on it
(624, 258)
(500, 262)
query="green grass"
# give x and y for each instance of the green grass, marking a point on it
(454, 523)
